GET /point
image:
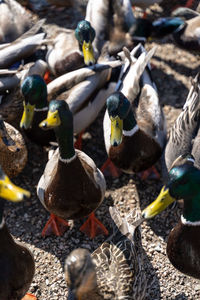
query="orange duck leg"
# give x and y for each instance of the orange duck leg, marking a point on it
(55, 225)
(113, 170)
(78, 143)
(29, 297)
(152, 170)
(93, 227)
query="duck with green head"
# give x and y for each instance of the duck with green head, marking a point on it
(69, 50)
(34, 90)
(16, 261)
(134, 126)
(72, 187)
(183, 246)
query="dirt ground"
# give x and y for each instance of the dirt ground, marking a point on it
(172, 71)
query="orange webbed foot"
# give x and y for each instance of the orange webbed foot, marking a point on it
(112, 169)
(152, 170)
(55, 225)
(93, 227)
(29, 297)
(78, 143)
(47, 77)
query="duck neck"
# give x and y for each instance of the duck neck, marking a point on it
(191, 211)
(129, 124)
(65, 140)
(42, 104)
(2, 204)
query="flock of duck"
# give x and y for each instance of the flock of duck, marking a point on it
(72, 187)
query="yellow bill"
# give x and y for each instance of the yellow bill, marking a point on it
(116, 131)
(27, 116)
(88, 53)
(52, 120)
(10, 191)
(162, 201)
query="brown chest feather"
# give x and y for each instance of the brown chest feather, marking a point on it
(136, 153)
(72, 194)
(183, 249)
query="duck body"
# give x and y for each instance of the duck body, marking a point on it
(187, 36)
(80, 195)
(183, 249)
(15, 20)
(16, 261)
(13, 150)
(17, 267)
(184, 136)
(112, 271)
(143, 134)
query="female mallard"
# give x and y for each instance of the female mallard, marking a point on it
(13, 152)
(71, 50)
(86, 98)
(134, 126)
(183, 246)
(184, 136)
(71, 187)
(15, 20)
(16, 261)
(113, 271)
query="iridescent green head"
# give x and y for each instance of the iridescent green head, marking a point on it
(121, 116)
(85, 35)
(183, 183)
(59, 115)
(34, 90)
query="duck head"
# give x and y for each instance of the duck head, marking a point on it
(183, 183)
(85, 35)
(80, 273)
(34, 90)
(59, 115)
(121, 116)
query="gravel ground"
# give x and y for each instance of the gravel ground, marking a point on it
(172, 70)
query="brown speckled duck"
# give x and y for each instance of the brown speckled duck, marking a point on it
(16, 261)
(72, 187)
(13, 152)
(134, 124)
(114, 270)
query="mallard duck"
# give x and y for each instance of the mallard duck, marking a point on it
(114, 270)
(16, 261)
(134, 124)
(184, 136)
(183, 246)
(11, 99)
(15, 20)
(69, 50)
(71, 187)
(169, 6)
(34, 90)
(13, 150)
(182, 158)
(86, 98)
